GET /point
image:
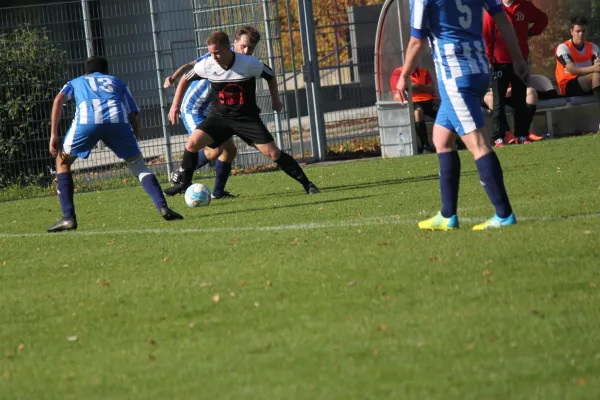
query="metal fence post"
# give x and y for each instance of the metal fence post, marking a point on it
(296, 96)
(161, 90)
(270, 54)
(87, 28)
(312, 79)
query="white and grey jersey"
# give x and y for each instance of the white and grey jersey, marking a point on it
(563, 55)
(235, 86)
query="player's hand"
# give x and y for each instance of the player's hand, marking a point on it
(277, 105)
(174, 115)
(402, 89)
(168, 82)
(54, 145)
(522, 70)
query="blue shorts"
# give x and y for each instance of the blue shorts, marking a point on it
(191, 121)
(460, 110)
(81, 139)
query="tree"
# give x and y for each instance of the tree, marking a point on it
(331, 29)
(33, 69)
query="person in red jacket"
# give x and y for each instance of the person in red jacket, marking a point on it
(528, 21)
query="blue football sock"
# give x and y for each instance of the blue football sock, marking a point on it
(65, 189)
(449, 182)
(490, 174)
(202, 160)
(151, 186)
(223, 170)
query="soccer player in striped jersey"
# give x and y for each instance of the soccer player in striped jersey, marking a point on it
(105, 110)
(454, 29)
(194, 108)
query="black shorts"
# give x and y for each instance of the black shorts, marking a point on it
(429, 108)
(573, 89)
(251, 130)
(215, 145)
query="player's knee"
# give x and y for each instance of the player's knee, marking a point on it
(138, 167)
(532, 97)
(273, 152)
(63, 163)
(419, 115)
(212, 154)
(228, 154)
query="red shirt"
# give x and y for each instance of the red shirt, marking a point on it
(419, 76)
(521, 14)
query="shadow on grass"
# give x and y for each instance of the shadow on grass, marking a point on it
(271, 207)
(368, 185)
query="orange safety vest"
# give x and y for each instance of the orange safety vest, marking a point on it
(419, 76)
(577, 57)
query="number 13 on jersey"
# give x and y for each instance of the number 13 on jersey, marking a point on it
(106, 84)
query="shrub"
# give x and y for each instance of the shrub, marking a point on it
(33, 70)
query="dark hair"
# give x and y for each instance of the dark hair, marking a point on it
(96, 64)
(579, 20)
(218, 38)
(252, 33)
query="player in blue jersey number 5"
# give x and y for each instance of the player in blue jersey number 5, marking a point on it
(454, 30)
(105, 110)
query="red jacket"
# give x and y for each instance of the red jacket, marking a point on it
(521, 14)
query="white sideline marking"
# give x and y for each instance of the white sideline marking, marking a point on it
(385, 220)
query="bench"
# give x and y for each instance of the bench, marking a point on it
(547, 106)
(562, 103)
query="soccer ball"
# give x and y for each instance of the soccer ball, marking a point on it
(197, 195)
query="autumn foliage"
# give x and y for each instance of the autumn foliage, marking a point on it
(331, 26)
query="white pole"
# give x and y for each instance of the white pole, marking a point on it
(278, 128)
(161, 90)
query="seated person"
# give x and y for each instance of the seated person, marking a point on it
(578, 63)
(536, 83)
(423, 95)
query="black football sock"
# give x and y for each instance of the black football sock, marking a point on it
(189, 163)
(422, 132)
(531, 109)
(292, 168)
(596, 92)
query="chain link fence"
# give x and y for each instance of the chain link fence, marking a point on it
(45, 44)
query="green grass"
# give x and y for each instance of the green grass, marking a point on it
(360, 304)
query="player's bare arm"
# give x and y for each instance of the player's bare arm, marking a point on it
(412, 57)
(273, 89)
(508, 33)
(182, 87)
(57, 108)
(582, 71)
(178, 73)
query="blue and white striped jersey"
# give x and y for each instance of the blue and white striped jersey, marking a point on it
(454, 29)
(100, 99)
(198, 96)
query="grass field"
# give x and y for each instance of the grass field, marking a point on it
(280, 295)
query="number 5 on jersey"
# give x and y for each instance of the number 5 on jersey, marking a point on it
(466, 19)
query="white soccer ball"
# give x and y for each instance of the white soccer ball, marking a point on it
(197, 195)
